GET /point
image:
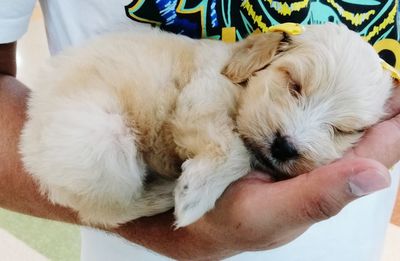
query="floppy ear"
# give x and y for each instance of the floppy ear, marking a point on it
(254, 53)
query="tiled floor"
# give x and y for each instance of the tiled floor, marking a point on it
(28, 60)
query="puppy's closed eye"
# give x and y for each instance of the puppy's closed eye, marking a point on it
(341, 131)
(295, 89)
(293, 86)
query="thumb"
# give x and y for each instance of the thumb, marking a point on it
(328, 189)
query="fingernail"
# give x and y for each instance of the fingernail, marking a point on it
(368, 181)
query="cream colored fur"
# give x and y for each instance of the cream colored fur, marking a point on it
(103, 115)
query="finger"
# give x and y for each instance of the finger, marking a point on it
(381, 143)
(272, 214)
(330, 188)
(393, 104)
(311, 197)
(258, 175)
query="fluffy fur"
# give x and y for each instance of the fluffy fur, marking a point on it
(198, 113)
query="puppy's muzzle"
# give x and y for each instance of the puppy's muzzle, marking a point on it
(282, 149)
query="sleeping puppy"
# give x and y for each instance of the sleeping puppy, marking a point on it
(198, 113)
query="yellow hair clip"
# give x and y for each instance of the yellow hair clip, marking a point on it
(289, 28)
(395, 73)
(229, 33)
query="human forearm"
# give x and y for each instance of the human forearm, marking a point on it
(18, 191)
(201, 241)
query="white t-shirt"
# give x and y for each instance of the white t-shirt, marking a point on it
(355, 234)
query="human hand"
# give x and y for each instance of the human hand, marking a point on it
(256, 214)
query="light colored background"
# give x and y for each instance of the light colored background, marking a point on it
(27, 238)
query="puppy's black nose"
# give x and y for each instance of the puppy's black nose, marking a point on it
(282, 149)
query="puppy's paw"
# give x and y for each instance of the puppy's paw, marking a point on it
(204, 179)
(191, 203)
(195, 195)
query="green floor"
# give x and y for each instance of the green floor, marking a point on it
(55, 240)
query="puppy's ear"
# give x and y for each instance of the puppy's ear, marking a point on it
(253, 54)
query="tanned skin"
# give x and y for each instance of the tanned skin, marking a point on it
(244, 218)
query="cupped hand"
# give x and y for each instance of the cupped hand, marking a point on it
(256, 214)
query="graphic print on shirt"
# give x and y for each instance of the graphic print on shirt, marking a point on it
(375, 20)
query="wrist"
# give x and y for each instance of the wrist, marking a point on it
(195, 242)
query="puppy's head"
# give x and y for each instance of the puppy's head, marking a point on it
(306, 98)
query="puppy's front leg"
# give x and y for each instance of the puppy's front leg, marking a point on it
(205, 177)
(204, 133)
